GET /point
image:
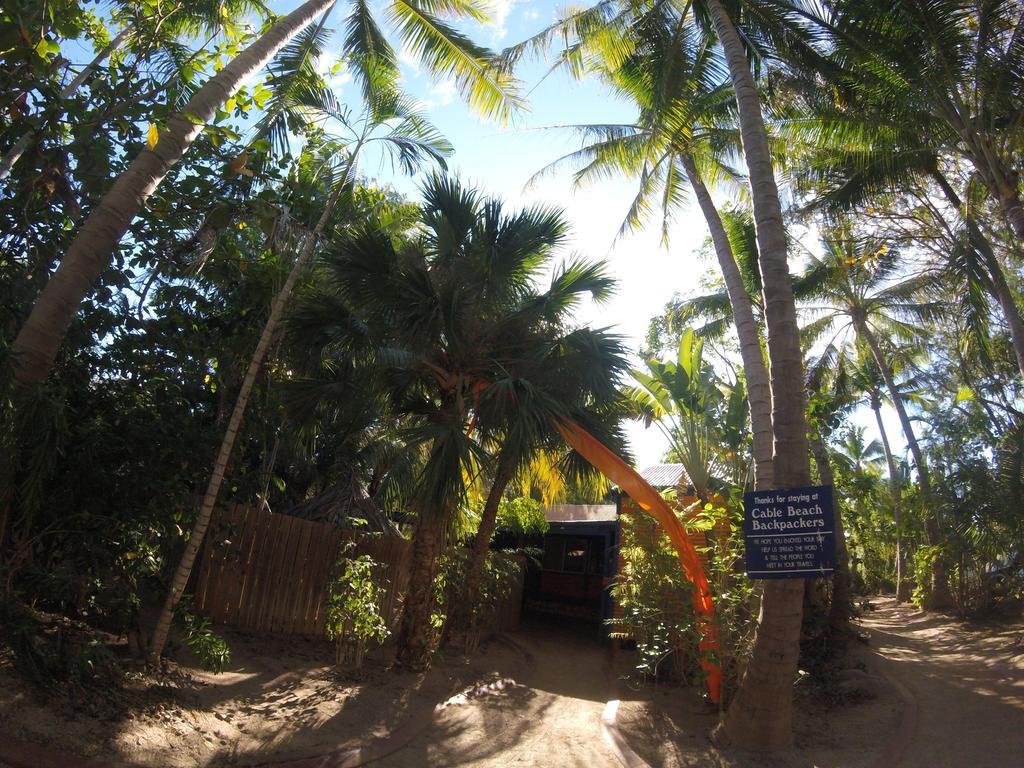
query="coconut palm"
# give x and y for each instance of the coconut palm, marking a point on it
(761, 713)
(469, 353)
(445, 51)
(850, 158)
(684, 135)
(948, 70)
(874, 391)
(855, 291)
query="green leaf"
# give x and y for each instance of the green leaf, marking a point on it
(46, 48)
(965, 393)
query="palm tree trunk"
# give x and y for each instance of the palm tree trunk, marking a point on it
(759, 395)
(1003, 187)
(940, 598)
(482, 542)
(36, 346)
(25, 140)
(894, 490)
(227, 446)
(415, 638)
(842, 594)
(761, 714)
(1000, 289)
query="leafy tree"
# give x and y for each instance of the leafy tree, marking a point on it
(467, 349)
(684, 134)
(414, 139)
(443, 50)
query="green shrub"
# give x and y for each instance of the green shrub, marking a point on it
(654, 598)
(210, 649)
(522, 516)
(355, 607)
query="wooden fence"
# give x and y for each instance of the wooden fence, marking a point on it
(266, 572)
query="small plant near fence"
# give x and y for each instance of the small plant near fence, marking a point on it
(210, 649)
(354, 610)
(653, 597)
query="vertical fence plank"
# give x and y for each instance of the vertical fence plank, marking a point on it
(253, 526)
(270, 550)
(300, 570)
(315, 564)
(235, 566)
(222, 545)
(275, 581)
(256, 579)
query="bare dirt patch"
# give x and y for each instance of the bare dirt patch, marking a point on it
(554, 718)
(280, 699)
(846, 727)
(968, 682)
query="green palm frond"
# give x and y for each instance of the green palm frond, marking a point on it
(298, 93)
(448, 53)
(368, 52)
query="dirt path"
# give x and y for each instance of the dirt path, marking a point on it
(968, 683)
(555, 720)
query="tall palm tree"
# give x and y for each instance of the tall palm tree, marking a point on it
(875, 401)
(845, 157)
(761, 713)
(856, 291)
(950, 70)
(684, 135)
(444, 50)
(470, 352)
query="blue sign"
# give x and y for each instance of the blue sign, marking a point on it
(789, 534)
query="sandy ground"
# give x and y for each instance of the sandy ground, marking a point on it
(551, 718)
(280, 699)
(968, 681)
(555, 719)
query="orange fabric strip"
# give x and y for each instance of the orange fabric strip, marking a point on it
(648, 499)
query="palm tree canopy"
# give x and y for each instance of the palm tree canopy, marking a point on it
(468, 349)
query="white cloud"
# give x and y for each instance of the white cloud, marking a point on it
(499, 13)
(443, 93)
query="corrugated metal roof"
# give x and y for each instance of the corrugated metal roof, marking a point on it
(664, 475)
(580, 513)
